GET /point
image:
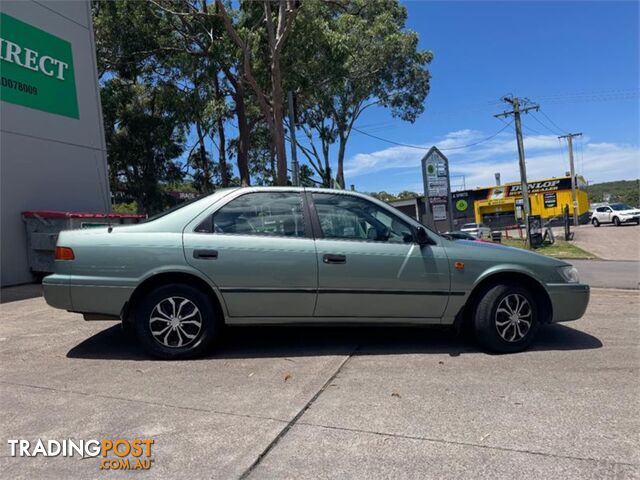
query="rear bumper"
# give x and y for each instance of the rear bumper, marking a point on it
(568, 300)
(84, 296)
(57, 292)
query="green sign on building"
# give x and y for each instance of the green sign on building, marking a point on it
(36, 69)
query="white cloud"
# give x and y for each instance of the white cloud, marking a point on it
(545, 157)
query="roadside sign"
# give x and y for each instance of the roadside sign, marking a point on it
(437, 187)
(439, 212)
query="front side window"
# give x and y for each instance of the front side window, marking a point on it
(261, 213)
(352, 218)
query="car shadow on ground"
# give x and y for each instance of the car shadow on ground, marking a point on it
(300, 341)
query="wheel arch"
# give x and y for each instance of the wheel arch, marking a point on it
(518, 278)
(166, 277)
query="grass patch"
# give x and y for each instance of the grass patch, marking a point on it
(560, 249)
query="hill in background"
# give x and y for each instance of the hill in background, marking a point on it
(625, 191)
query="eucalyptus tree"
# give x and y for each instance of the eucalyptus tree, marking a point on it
(143, 113)
(275, 26)
(351, 56)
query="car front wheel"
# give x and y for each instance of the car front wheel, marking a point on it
(616, 221)
(506, 319)
(595, 222)
(176, 321)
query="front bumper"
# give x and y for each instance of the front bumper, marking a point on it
(568, 300)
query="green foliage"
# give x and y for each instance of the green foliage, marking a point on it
(131, 207)
(390, 197)
(144, 138)
(178, 76)
(352, 56)
(625, 191)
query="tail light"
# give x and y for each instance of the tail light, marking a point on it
(64, 253)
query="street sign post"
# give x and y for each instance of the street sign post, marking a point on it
(437, 188)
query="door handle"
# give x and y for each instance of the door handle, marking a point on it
(205, 254)
(332, 258)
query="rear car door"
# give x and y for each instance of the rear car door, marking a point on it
(258, 250)
(370, 266)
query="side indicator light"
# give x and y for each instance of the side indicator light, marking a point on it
(64, 253)
(458, 265)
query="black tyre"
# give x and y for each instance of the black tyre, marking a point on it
(638, 222)
(595, 222)
(176, 321)
(616, 221)
(506, 319)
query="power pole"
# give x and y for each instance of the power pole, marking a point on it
(574, 193)
(295, 173)
(521, 106)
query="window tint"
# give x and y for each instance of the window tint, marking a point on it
(601, 209)
(261, 213)
(353, 218)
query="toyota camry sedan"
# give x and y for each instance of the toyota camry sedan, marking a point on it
(303, 256)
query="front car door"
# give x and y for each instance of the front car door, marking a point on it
(369, 264)
(259, 251)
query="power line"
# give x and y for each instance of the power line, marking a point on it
(417, 147)
(552, 122)
(545, 125)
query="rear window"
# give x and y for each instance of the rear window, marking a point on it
(470, 225)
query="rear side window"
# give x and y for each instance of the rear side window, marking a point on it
(277, 214)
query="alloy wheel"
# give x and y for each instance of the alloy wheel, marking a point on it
(175, 322)
(513, 317)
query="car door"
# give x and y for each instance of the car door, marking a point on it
(369, 265)
(608, 214)
(259, 251)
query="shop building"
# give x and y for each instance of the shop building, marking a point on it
(502, 205)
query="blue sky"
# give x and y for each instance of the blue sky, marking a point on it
(578, 60)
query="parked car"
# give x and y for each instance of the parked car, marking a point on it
(263, 255)
(458, 235)
(478, 230)
(616, 213)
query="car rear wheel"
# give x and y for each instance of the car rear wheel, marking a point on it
(506, 319)
(176, 321)
(595, 222)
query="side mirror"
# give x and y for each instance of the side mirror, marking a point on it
(421, 236)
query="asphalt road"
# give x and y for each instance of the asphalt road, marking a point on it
(330, 402)
(609, 274)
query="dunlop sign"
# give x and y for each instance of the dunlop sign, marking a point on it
(36, 69)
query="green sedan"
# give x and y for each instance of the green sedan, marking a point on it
(303, 255)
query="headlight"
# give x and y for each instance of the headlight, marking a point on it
(569, 273)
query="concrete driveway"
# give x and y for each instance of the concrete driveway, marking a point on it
(609, 242)
(330, 402)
